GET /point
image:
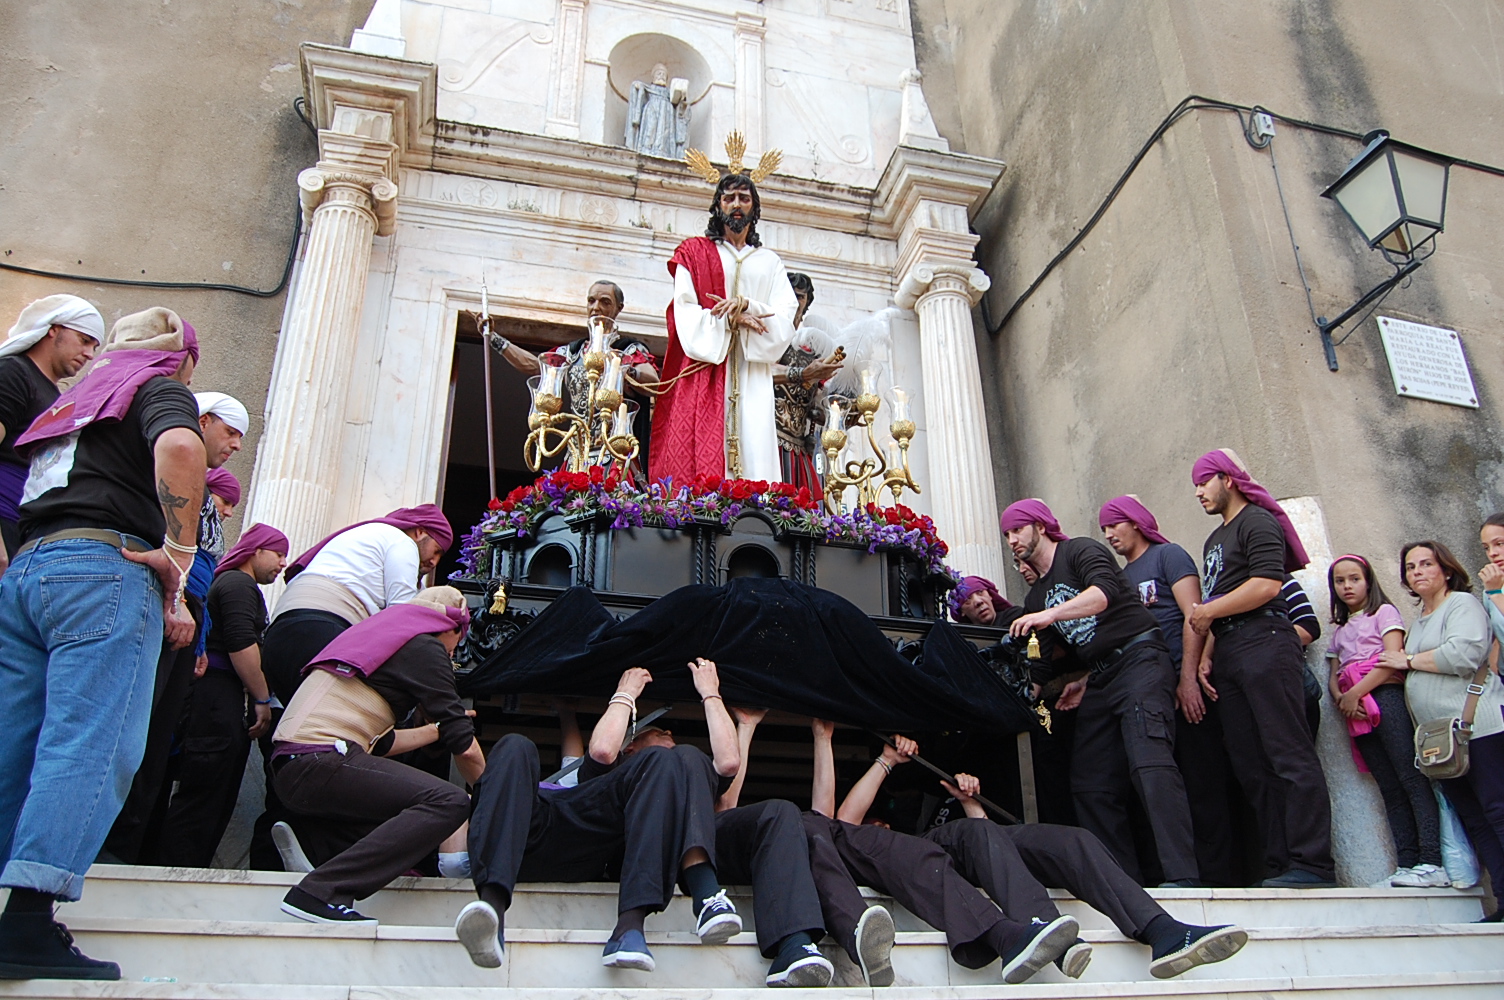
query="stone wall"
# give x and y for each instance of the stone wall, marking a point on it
(1180, 324)
(156, 140)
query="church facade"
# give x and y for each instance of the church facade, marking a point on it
(459, 147)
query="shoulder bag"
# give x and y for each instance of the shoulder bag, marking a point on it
(1441, 744)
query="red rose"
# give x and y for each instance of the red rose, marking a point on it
(507, 506)
(741, 490)
(597, 474)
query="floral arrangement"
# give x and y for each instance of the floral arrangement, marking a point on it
(707, 499)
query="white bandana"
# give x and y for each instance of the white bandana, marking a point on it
(54, 310)
(227, 408)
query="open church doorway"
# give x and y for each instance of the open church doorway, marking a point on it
(465, 492)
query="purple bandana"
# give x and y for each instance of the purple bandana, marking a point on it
(366, 645)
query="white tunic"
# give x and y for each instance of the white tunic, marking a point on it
(756, 273)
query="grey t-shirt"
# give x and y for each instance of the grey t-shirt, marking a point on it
(1153, 574)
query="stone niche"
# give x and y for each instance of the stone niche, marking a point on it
(633, 58)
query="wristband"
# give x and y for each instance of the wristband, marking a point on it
(886, 766)
(710, 696)
(169, 542)
(622, 698)
(268, 701)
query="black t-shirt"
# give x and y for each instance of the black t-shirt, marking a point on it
(421, 675)
(1250, 546)
(238, 613)
(1154, 574)
(1081, 563)
(110, 474)
(24, 393)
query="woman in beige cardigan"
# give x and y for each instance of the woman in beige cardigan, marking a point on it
(1443, 651)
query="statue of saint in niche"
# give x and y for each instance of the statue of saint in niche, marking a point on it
(658, 115)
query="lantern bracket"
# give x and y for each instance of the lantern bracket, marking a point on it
(1373, 296)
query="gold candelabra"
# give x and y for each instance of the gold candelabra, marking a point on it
(604, 436)
(870, 476)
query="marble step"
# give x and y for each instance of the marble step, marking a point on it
(252, 952)
(213, 893)
(1436, 985)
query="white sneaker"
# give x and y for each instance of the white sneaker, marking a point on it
(293, 858)
(478, 928)
(874, 946)
(1421, 877)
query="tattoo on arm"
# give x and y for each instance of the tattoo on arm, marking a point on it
(171, 504)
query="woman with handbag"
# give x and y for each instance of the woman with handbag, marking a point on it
(1454, 696)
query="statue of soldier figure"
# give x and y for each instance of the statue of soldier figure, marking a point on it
(658, 115)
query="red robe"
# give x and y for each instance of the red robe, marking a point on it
(689, 420)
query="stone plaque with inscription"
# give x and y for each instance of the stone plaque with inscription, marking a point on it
(1427, 362)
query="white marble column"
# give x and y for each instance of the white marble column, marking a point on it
(751, 30)
(569, 70)
(347, 199)
(962, 494)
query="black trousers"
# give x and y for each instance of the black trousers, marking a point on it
(10, 536)
(290, 644)
(1125, 738)
(648, 812)
(1478, 797)
(1256, 669)
(1202, 757)
(135, 836)
(1014, 864)
(398, 813)
(211, 763)
(914, 871)
(763, 845)
(1409, 804)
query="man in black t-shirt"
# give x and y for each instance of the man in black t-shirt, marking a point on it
(216, 737)
(109, 526)
(1125, 733)
(53, 338)
(1169, 586)
(1256, 670)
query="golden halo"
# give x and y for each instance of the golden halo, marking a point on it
(736, 148)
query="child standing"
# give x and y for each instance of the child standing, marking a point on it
(1372, 698)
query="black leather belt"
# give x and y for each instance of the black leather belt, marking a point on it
(115, 538)
(1110, 659)
(1222, 626)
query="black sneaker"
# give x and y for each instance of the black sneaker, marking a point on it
(804, 966)
(1039, 944)
(1198, 946)
(306, 906)
(1075, 959)
(718, 919)
(874, 946)
(1183, 883)
(1298, 878)
(34, 946)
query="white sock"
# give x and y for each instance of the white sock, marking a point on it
(456, 865)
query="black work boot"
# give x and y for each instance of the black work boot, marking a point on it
(34, 946)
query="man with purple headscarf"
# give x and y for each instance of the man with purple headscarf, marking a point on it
(109, 526)
(344, 579)
(1169, 586)
(372, 818)
(1124, 727)
(216, 734)
(1257, 666)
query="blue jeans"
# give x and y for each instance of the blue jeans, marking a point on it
(80, 634)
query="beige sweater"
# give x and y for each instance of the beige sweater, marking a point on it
(1457, 635)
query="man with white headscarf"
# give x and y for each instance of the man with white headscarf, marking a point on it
(53, 338)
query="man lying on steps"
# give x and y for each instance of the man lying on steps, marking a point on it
(1014, 863)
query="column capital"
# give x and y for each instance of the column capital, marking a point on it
(374, 194)
(931, 277)
(925, 199)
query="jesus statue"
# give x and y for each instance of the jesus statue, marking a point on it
(731, 320)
